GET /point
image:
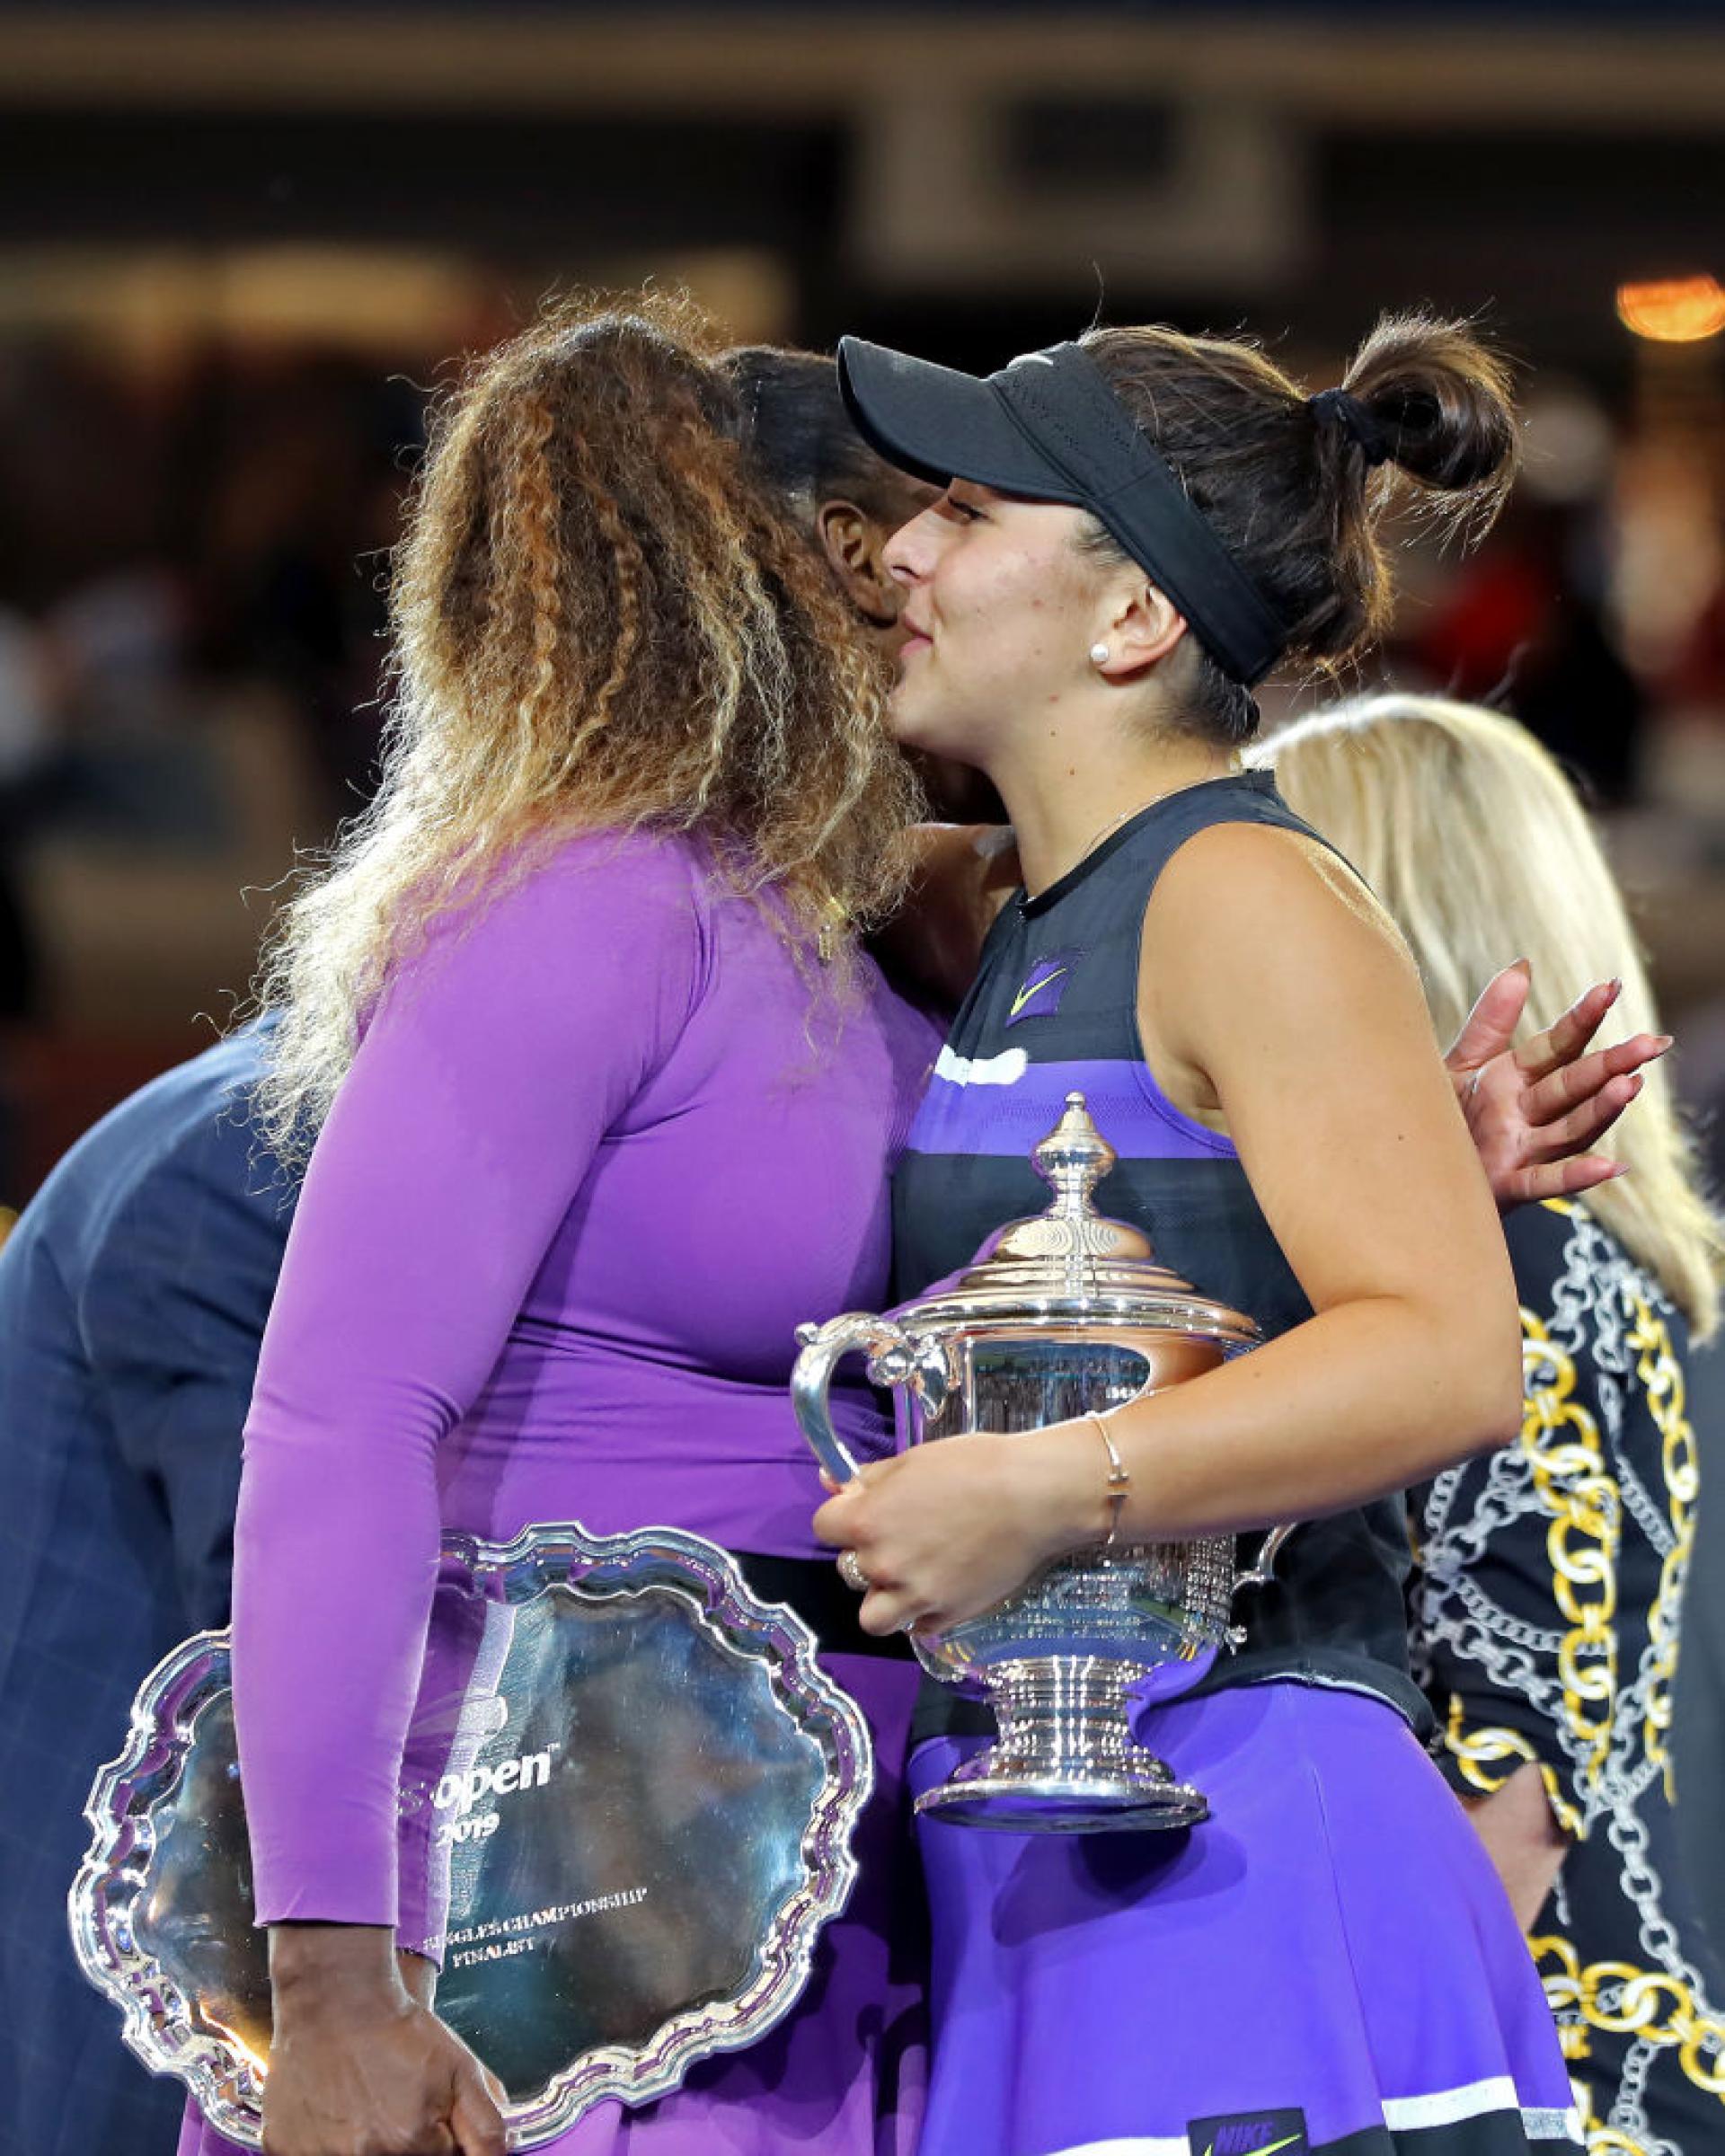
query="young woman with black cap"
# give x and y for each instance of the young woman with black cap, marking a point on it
(1136, 528)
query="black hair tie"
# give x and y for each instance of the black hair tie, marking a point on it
(1341, 408)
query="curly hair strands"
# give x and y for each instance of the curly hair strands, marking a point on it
(601, 621)
(1287, 484)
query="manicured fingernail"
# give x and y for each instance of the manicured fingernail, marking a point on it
(1521, 966)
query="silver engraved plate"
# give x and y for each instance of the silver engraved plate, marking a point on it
(1065, 1314)
(627, 1804)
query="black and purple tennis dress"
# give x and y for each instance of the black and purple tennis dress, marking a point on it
(1329, 1962)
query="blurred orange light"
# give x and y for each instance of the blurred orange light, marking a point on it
(1675, 310)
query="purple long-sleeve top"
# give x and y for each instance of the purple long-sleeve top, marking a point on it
(600, 1150)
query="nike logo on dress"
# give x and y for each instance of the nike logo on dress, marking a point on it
(1032, 988)
(1268, 2149)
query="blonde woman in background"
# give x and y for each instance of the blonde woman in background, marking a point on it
(1545, 1614)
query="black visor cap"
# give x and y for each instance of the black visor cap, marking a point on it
(1049, 428)
(941, 425)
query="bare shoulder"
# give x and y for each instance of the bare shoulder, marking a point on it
(1257, 941)
(1265, 896)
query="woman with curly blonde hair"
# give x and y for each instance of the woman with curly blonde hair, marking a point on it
(595, 943)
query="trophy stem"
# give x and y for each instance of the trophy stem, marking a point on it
(1065, 1761)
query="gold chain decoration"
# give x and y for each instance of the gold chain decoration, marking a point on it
(1661, 1376)
(1652, 2005)
(1562, 1444)
(1658, 2009)
(1479, 1752)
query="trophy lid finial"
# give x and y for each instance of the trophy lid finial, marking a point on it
(1074, 1158)
(1072, 1259)
(1070, 1232)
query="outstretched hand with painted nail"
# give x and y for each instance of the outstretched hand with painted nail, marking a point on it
(1534, 1111)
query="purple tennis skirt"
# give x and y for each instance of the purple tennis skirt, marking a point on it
(1328, 1963)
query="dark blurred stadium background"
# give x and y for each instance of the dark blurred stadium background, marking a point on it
(236, 243)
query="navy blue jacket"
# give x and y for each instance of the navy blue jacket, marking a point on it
(133, 1294)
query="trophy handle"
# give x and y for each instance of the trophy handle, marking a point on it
(896, 1357)
(1264, 1570)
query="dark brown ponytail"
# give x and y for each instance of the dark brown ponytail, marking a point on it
(1439, 398)
(1295, 485)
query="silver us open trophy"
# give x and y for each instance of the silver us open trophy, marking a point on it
(1058, 1315)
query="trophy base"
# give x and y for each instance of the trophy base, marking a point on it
(1065, 1762)
(983, 1793)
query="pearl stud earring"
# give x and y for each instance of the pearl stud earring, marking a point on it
(1099, 655)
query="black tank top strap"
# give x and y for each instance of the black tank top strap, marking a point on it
(1143, 846)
